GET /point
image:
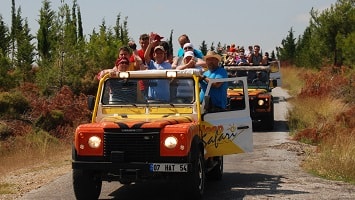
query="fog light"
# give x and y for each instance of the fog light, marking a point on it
(94, 142)
(170, 142)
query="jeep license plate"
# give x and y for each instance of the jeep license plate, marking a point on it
(168, 167)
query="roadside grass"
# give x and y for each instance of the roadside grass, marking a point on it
(291, 79)
(336, 157)
(31, 149)
(32, 152)
(322, 114)
(310, 117)
(5, 188)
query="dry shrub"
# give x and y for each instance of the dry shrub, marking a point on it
(324, 83)
(347, 118)
(73, 108)
(308, 135)
(336, 152)
(310, 117)
(323, 114)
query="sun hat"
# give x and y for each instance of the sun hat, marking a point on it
(212, 54)
(159, 47)
(188, 45)
(188, 53)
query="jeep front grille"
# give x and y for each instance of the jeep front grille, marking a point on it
(132, 146)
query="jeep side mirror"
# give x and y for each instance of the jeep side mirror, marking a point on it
(274, 82)
(207, 103)
(91, 102)
(274, 67)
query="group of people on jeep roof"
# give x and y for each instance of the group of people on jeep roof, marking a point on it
(155, 54)
(241, 57)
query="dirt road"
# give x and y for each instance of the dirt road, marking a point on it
(270, 172)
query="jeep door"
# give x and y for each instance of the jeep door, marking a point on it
(228, 131)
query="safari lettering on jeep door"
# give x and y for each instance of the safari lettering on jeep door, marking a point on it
(229, 131)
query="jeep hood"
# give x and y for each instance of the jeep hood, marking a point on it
(119, 122)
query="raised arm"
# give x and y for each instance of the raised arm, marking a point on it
(153, 42)
(147, 57)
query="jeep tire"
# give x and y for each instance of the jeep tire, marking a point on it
(197, 178)
(269, 120)
(86, 185)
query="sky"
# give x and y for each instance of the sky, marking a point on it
(244, 23)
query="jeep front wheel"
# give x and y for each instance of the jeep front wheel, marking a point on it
(197, 178)
(86, 185)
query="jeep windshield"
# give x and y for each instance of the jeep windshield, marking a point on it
(133, 91)
(257, 76)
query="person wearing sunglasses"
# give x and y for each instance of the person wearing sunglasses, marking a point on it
(122, 63)
(190, 61)
(183, 39)
(120, 91)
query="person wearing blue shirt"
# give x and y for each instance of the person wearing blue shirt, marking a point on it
(158, 89)
(218, 91)
(183, 39)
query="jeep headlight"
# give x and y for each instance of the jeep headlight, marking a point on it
(170, 142)
(261, 102)
(94, 142)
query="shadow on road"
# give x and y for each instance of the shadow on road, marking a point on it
(238, 185)
(233, 186)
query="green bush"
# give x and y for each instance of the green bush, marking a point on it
(5, 131)
(50, 120)
(13, 104)
(41, 140)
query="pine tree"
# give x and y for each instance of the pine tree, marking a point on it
(203, 47)
(5, 66)
(4, 38)
(288, 49)
(212, 48)
(80, 26)
(25, 52)
(170, 42)
(13, 30)
(46, 32)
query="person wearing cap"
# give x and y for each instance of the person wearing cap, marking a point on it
(188, 61)
(120, 90)
(218, 91)
(183, 39)
(185, 87)
(159, 58)
(121, 65)
(161, 91)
